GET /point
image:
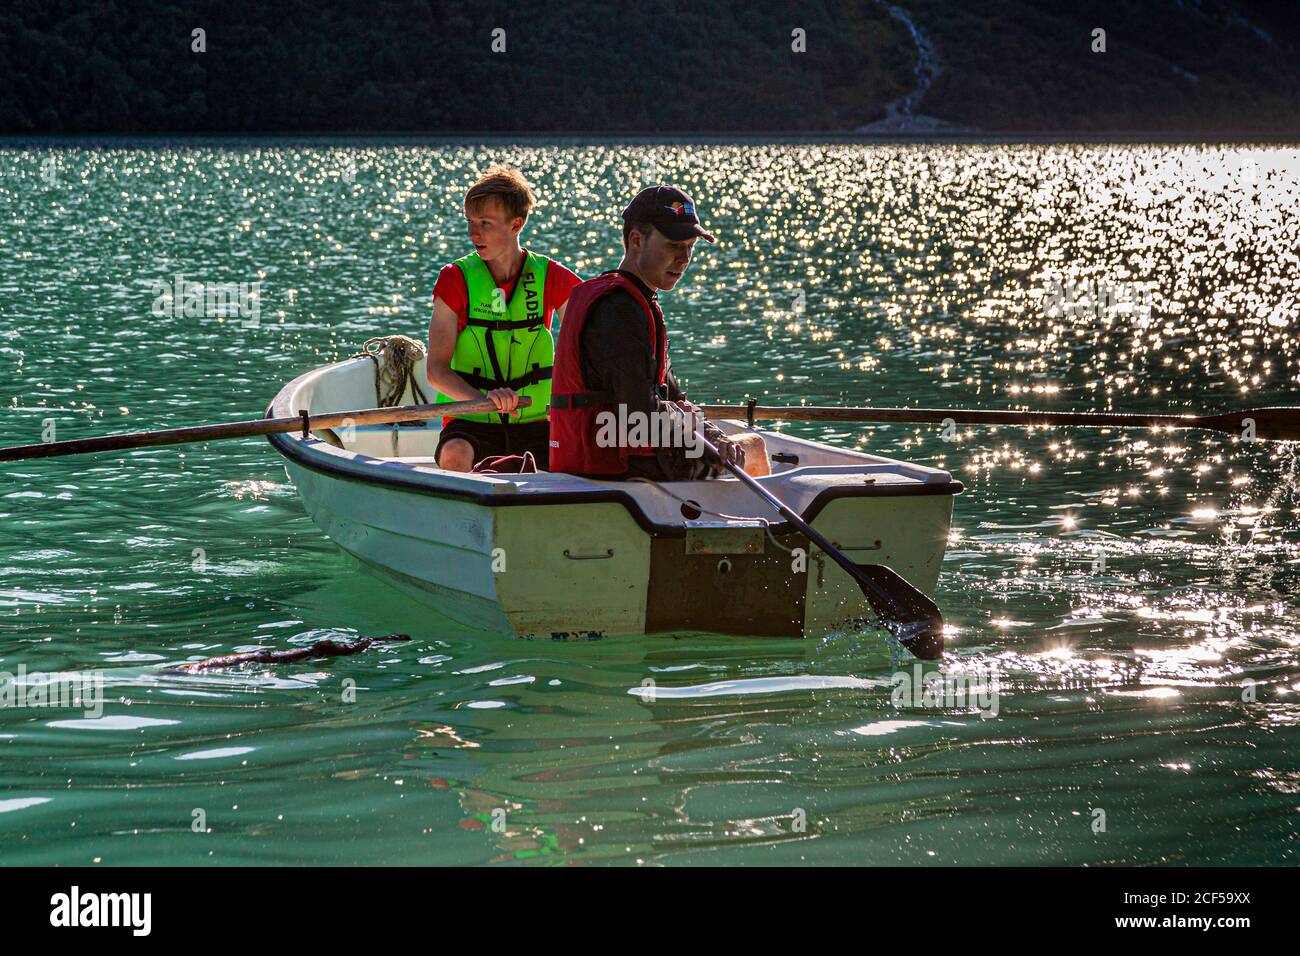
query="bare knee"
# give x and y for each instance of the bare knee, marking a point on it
(456, 455)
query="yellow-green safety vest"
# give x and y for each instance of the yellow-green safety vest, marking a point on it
(505, 345)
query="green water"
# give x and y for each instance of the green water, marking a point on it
(1134, 593)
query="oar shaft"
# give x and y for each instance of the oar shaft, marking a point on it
(786, 512)
(1278, 423)
(247, 429)
(960, 416)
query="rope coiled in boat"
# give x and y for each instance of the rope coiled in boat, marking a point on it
(395, 358)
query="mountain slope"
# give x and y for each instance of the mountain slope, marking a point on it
(657, 66)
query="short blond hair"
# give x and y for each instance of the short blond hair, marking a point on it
(507, 186)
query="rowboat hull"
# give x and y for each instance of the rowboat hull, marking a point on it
(555, 555)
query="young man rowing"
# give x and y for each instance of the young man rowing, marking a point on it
(491, 329)
(612, 367)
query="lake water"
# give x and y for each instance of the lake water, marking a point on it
(1135, 593)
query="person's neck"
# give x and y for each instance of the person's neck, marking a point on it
(506, 267)
(627, 265)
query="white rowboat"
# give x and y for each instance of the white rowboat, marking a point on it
(556, 555)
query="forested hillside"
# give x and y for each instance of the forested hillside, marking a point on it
(657, 66)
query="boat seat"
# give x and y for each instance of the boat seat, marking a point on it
(404, 440)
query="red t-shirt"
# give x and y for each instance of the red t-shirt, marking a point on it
(452, 289)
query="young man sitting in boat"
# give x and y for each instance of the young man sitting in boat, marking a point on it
(491, 329)
(613, 381)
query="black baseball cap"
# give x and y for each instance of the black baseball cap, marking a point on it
(669, 210)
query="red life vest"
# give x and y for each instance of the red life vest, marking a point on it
(574, 405)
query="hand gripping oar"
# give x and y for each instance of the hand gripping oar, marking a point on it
(913, 619)
(256, 426)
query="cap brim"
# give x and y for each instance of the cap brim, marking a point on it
(685, 230)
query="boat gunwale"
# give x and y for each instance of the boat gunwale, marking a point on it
(358, 468)
(294, 450)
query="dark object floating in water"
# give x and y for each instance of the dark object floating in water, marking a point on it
(323, 648)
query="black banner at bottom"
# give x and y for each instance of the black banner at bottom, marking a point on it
(338, 905)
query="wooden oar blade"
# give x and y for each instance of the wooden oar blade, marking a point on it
(249, 429)
(1258, 424)
(909, 614)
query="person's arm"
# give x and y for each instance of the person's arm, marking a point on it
(675, 393)
(730, 450)
(617, 342)
(560, 282)
(443, 331)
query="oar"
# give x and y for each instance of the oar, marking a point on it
(258, 426)
(905, 612)
(1269, 424)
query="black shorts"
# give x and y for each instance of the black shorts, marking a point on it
(490, 440)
